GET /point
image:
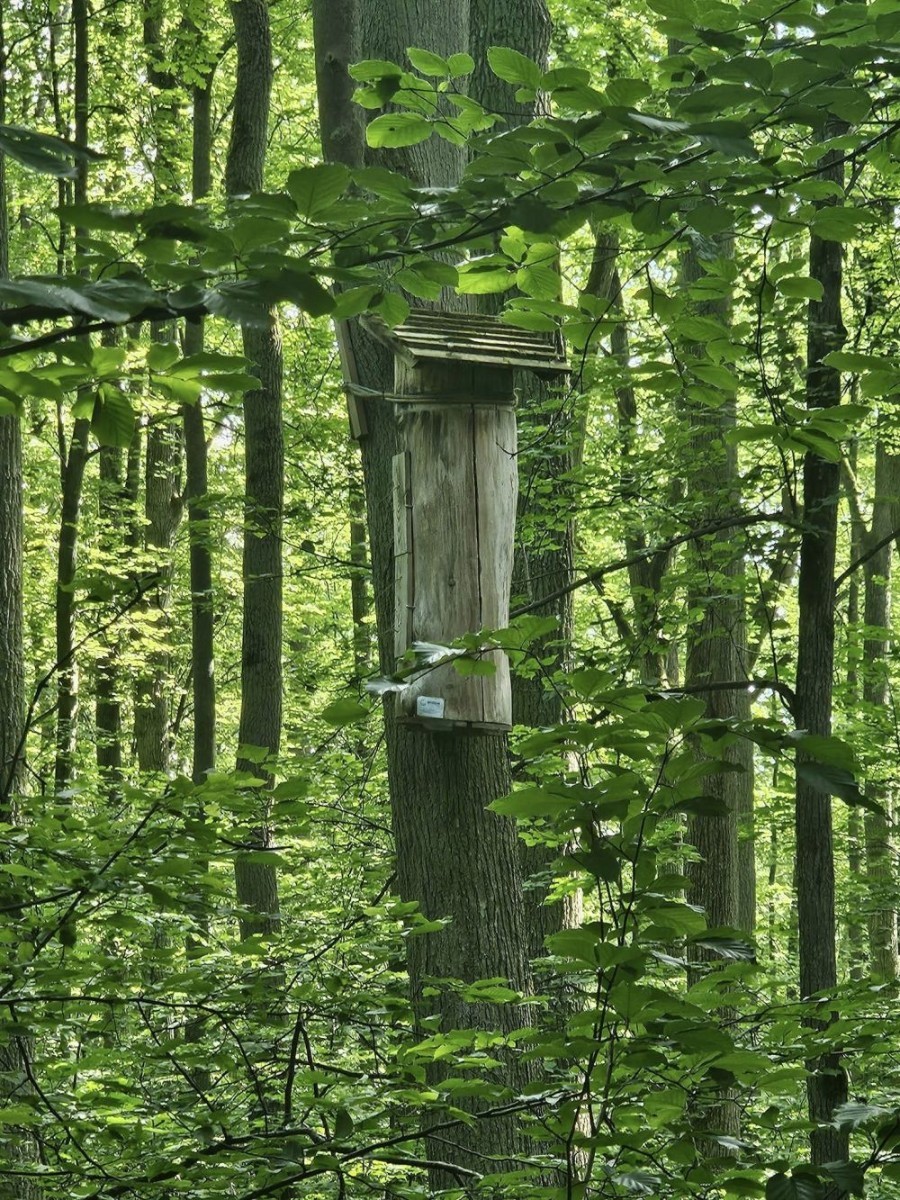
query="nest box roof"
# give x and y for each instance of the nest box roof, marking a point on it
(470, 337)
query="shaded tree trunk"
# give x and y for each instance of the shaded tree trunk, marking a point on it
(162, 516)
(717, 647)
(545, 540)
(116, 507)
(261, 672)
(17, 1146)
(453, 857)
(72, 465)
(203, 756)
(826, 1086)
(882, 920)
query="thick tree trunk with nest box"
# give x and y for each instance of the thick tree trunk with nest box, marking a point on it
(455, 488)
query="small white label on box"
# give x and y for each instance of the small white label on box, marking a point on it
(429, 706)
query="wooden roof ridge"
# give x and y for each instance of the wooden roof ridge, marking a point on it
(429, 334)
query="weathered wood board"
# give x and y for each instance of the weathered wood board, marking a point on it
(455, 487)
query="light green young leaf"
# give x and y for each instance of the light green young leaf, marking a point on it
(345, 712)
(398, 129)
(513, 67)
(429, 64)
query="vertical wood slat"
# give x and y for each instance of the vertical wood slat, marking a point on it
(356, 413)
(455, 492)
(497, 485)
(404, 580)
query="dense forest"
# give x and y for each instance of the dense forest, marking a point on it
(449, 498)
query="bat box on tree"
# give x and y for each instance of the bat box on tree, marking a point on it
(455, 491)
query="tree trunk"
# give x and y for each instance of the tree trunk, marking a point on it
(882, 922)
(162, 513)
(17, 1146)
(717, 646)
(115, 515)
(545, 539)
(261, 674)
(203, 757)
(453, 857)
(72, 465)
(203, 683)
(826, 1086)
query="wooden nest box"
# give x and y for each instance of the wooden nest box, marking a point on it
(454, 507)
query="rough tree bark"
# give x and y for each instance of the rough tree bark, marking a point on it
(882, 918)
(162, 516)
(717, 645)
(72, 465)
(827, 1085)
(261, 673)
(203, 757)
(16, 1144)
(453, 857)
(116, 509)
(645, 576)
(545, 540)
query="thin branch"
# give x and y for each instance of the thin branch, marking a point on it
(622, 564)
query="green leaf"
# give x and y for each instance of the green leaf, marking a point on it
(513, 67)
(429, 64)
(417, 285)
(780, 1187)
(799, 287)
(398, 129)
(343, 1125)
(531, 802)
(345, 712)
(710, 218)
(580, 944)
(849, 1176)
(852, 360)
(835, 781)
(726, 943)
(315, 189)
(375, 68)
(460, 64)
(831, 750)
(162, 355)
(625, 93)
(728, 137)
(42, 151)
(641, 1183)
(837, 223)
(112, 422)
(855, 1115)
(474, 666)
(392, 308)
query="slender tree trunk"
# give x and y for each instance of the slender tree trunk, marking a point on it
(716, 653)
(717, 648)
(261, 674)
(203, 683)
(880, 866)
(116, 509)
(67, 670)
(453, 857)
(73, 465)
(856, 924)
(646, 576)
(827, 1085)
(545, 540)
(203, 757)
(17, 1146)
(162, 516)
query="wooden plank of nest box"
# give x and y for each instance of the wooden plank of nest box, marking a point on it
(469, 337)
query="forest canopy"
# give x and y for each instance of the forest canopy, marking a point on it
(449, 498)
